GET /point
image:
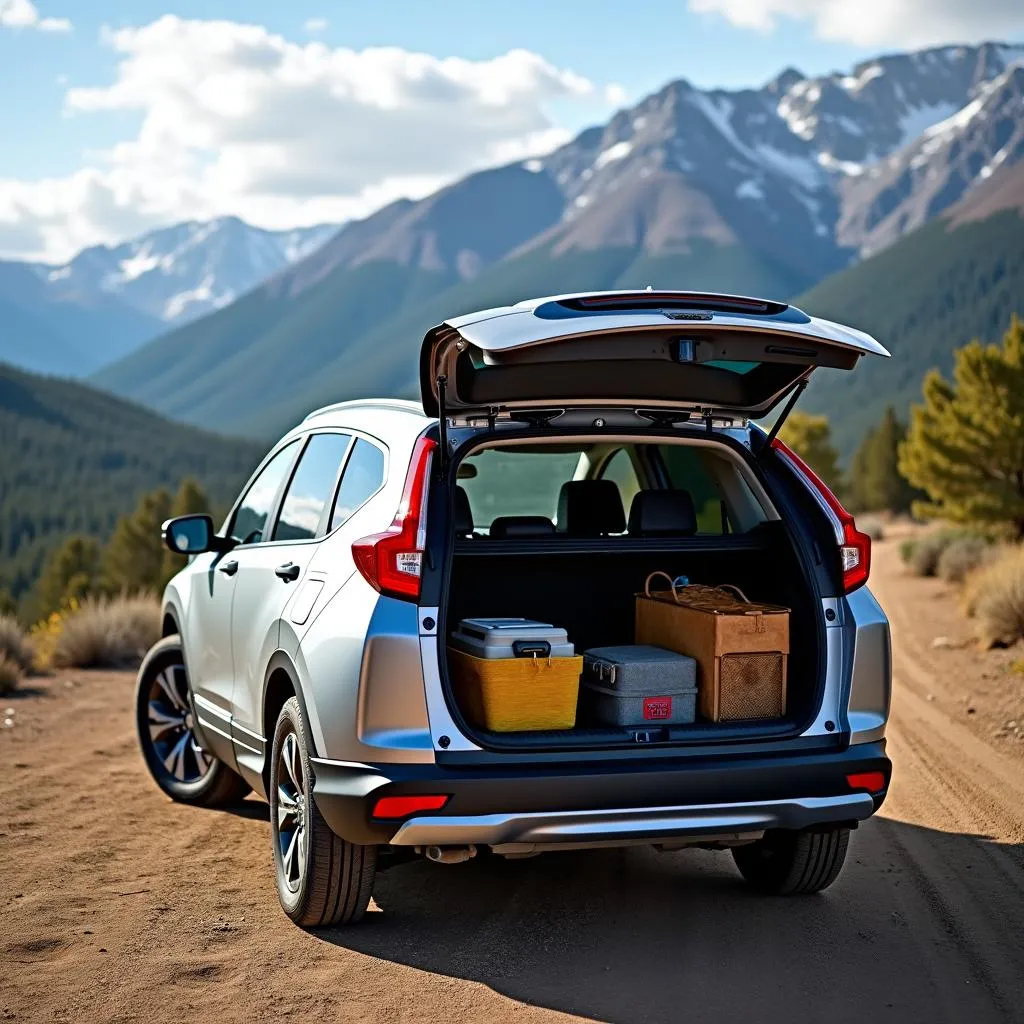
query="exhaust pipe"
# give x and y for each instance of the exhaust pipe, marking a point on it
(450, 854)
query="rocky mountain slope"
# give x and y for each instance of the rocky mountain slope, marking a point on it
(765, 190)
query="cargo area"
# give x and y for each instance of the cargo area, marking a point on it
(580, 565)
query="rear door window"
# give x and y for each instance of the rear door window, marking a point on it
(311, 487)
(363, 477)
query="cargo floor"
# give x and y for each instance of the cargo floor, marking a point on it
(591, 595)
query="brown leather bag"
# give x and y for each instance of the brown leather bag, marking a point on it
(741, 647)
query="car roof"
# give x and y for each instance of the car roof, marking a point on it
(392, 420)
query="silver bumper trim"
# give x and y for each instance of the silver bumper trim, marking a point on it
(630, 825)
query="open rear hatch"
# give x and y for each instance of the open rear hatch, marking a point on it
(685, 355)
(702, 353)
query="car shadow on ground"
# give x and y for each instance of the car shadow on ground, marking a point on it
(638, 935)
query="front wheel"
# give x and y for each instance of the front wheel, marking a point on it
(164, 719)
(321, 878)
(792, 863)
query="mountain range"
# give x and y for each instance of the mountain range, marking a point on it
(768, 191)
(797, 189)
(74, 318)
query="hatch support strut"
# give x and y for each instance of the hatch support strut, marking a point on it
(798, 390)
(442, 426)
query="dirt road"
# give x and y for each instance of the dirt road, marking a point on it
(117, 905)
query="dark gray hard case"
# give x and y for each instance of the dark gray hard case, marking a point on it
(638, 685)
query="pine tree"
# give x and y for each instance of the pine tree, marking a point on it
(190, 500)
(875, 482)
(133, 560)
(965, 446)
(70, 572)
(811, 438)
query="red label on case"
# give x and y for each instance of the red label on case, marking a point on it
(657, 707)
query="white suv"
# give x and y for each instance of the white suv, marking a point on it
(566, 448)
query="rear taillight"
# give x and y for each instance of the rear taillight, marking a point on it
(855, 549)
(391, 561)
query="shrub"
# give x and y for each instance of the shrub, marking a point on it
(907, 549)
(961, 557)
(923, 557)
(107, 632)
(10, 675)
(995, 596)
(873, 528)
(15, 646)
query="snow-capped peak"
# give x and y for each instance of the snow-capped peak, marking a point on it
(183, 271)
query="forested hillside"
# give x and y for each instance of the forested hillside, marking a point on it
(74, 459)
(948, 282)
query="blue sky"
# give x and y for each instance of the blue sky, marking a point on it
(89, 119)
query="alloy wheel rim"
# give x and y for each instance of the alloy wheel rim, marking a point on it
(172, 727)
(291, 812)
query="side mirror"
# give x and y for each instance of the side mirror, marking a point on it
(190, 535)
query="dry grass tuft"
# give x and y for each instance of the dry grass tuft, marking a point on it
(107, 632)
(15, 645)
(994, 595)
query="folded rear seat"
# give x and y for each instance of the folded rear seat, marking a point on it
(508, 527)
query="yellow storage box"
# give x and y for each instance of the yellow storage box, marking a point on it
(516, 694)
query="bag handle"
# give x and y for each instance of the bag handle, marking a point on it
(739, 593)
(672, 587)
(671, 584)
(721, 586)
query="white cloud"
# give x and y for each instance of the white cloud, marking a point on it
(236, 119)
(616, 95)
(24, 14)
(315, 25)
(879, 22)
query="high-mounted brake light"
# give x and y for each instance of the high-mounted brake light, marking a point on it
(403, 806)
(391, 561)
(855, 550)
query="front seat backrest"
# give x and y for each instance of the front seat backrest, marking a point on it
(590, 508)
(662, 514)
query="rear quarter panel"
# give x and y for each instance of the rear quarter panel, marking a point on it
(871, 668)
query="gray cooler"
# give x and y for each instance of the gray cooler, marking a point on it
(511, 638)
(638, 685)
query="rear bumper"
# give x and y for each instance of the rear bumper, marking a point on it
(556, 803)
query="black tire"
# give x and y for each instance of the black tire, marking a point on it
(206, 781)
(793, 863)
(324, 880)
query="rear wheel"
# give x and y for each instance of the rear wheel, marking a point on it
(793, 863)
(165, 721)
(321, 878)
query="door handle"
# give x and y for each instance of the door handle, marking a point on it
(289, 572)
(228, 568)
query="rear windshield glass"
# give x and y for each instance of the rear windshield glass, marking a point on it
(523, 482)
